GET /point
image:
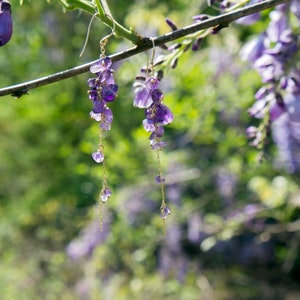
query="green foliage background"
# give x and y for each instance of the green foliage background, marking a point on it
(49, 183)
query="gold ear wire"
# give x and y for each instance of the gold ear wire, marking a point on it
(152, 57)
(105, 39)
(87, 34)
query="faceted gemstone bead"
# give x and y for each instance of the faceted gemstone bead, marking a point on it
(101, 65)
(91, 82)
(159, 179)
(165, 212)
(98, 106)
(105, 125)
(96, 117)
(157, 144)
(98, 157)
(148, 125)
(93, 94)
(108, 115)
(105, 75)
(163, 114)
(152, 83)
(143, 97)
(157, 95)
(157, 133)
(109, 92)
(105, 194)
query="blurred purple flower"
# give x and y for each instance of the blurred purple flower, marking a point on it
(269, 68)
(88, 239)
(171, 24)
(278, 24)
(248, 20)
(286, 134)
(295, 8)
(6, 24)
(292, 104)
(264, 91)
(276, 110)
(254, 49)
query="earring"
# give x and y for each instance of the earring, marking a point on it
(149, 97)
(102, 91)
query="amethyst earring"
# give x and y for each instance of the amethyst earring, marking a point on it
(149, 97)
(103, 90)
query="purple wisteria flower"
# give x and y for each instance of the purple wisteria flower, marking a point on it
(273, 55)
(295, 8)
(254, 49)
(103, 90)
(5, 22)
(249, 20)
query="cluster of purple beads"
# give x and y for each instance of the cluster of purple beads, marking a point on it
(150, 97)
(102, 91)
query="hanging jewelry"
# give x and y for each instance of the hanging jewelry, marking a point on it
(103, 90)
(150, 97)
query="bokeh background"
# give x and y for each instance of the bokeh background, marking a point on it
(234, 230)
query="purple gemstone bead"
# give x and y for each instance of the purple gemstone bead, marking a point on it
(152, 83)
(98, 107)
(163, 114)
(157, 144)
(148, 125)
(91, 82)
(96, 117)
(159, 179)
(109, 92)
(157, 95)
(165, 212)
(105, 75)
(157, 133)
(98, 157)
(142, 97)
(93, 94)
(105, 194)
(108, 115)
(101, 65)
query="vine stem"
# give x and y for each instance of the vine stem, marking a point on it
(104, 15)
(147, 43)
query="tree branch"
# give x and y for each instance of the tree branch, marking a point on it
(22, 88)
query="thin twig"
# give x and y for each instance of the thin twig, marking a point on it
(147, 44)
